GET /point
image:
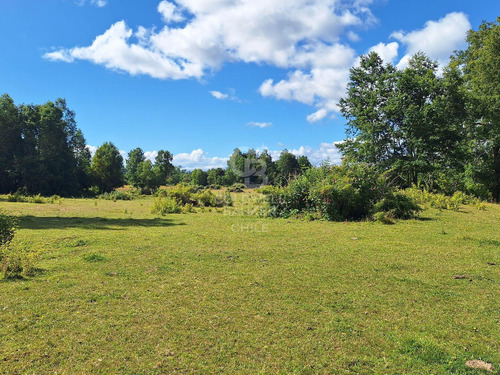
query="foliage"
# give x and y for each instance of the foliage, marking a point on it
(441, 201)
(480, 63)
(337, 193)
(7, 229)
(107, 167)
(41, 149)
(166, 205)
(116, 195)
(199, 177)
(19, 196)
(406, 122)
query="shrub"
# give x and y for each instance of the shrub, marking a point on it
(397, 206)
(7, 229)
(116, 195)
(181, 193)
(15, 259)
(166, 205)
(443, 202)
(337, 193)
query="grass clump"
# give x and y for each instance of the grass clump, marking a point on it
(94, 258)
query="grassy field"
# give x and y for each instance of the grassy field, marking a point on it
(121, 290)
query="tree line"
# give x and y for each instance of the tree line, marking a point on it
(43, 152)
(419, 125)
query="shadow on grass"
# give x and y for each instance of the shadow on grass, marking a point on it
(35, 222)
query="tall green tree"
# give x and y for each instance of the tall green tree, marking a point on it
(10, 144)
(402, 121)
(163, 165)
(287, 166)
(107, 167)
(481, 66)
(199, 177)
(134, 159)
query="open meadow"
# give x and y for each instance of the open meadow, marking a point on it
(121, 290)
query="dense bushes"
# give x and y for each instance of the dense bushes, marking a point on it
(337, 193)
(183, 198)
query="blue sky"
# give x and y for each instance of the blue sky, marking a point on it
(201, 77)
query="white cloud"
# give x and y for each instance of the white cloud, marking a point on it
(437, 39)
(260, 124)
(219, 95)
(303, 37)
(198, 159)
(284, 33)
(151, 155)
(387, 52)
(170, 12)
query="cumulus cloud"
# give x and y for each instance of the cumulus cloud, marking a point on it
(199, 159)
(303, 37)
(326, 152)
(438, 39)
(260, 124)
(170, 12)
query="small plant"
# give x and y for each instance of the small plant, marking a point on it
(164, 206)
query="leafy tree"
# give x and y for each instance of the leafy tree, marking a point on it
(481, 66)
(199, 177)
(10, 144)
(107, 167)
(304, 162)
(287, 166)
(215, 176)
(401, 120)
(163, 165)
(135, 157)
(147, 179)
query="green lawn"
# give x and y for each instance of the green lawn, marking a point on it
(120, 290)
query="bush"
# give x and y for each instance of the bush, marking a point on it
(166, 205)
(7, 229)
(337, 193)
(190, 195)
(443, 202)
(15, 259)
(19, 197)
(116, 195)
